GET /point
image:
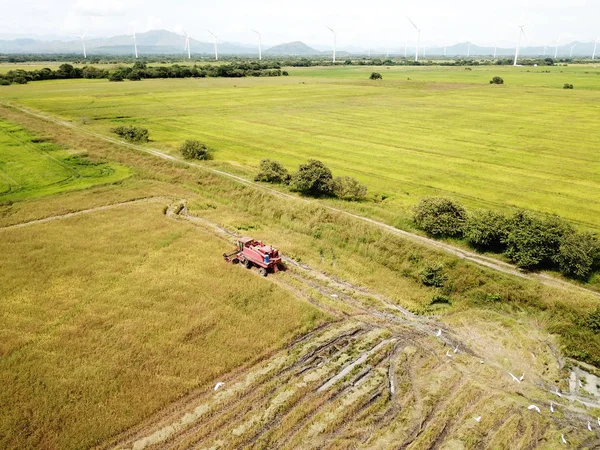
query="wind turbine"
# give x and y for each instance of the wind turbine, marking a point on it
(85, 54)
(521, 33)
(135, 45)
(334, 41)
(444, 50)
(405, 49)
(495, 49)
(469, 49)
(418, 38)
(259, 45)
(187, 44)
(571, 54)
(215, 38)
(593, 57)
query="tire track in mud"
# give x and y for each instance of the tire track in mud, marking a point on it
(460, 253)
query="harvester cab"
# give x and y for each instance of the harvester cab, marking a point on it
(251, 252)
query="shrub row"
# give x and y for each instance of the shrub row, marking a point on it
(529, 240)
(312, 178)
(140, 70)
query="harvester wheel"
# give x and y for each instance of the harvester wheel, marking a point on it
(262, 271)
(247, 264)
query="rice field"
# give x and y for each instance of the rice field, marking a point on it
(421, 131)
(107, 316)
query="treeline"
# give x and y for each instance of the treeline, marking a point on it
(141, 70)
(530, 241)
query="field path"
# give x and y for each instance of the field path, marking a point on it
(467, 255)
(83, 211)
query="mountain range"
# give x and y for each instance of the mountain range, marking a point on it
(166, 42)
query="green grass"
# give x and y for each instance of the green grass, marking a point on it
(30, 167)
(446, 131)
(97, 332)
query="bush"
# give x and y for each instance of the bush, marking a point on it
(347, 188)
(272, 172)
(433, 276)
(193, 149)
(440, 300)
(285, 73)
(4, 82)
(312, 178)
(567, 86)
(497, 80)
(131, 133)
(486, 230)
(115, 76)
(375, 76)
(593, 320)
(440, 216)
(534, 241)
(20, 80)
(577, 254)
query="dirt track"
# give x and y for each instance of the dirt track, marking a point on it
(458, 252)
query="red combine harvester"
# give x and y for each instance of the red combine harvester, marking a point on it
(254, 253)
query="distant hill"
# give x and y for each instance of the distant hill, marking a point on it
(163, 42)
(151, 42)
(296, 48)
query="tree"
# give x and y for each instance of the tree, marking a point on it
(272, 172)
(348, 188)
(497, 80)
(486, 230)
(312, 178)
(193, 149)
(593, 320)
(440, 216)
(115, 76)
(577, 254)
(533, 241)
(65, 71)
(375, 76)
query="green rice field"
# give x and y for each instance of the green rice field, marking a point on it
(421, 131)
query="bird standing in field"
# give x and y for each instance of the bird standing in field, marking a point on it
(589, 426)
(448, 354)
(514, 378)
(551, 407)
(564, 441)
(522, 376)
(533, 407)
(456, 349)
(219, 385)
(477, 419)
(439, 333)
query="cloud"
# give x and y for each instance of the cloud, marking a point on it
(104, 8)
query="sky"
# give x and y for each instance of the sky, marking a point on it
(358, 24)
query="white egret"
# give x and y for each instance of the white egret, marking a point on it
(589, 426)
(564, 441)
(551, 407)
(478, 418)
(448, 354)
(534, 408)
(439, 333)
(514, 378)
(522, 376)
(219, 385)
